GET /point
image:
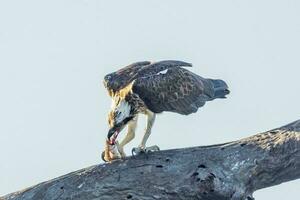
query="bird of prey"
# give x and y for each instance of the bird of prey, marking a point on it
(152, 88)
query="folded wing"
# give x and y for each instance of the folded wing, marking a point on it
(121, 78)
(175, 90)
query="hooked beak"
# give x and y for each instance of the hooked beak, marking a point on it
(115, 130)
(112, 136)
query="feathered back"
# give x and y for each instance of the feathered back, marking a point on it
(167, 86)
(178, 90)
(118, 80)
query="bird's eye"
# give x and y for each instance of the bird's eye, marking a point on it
(108, 77)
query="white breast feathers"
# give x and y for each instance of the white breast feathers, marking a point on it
(121, 109)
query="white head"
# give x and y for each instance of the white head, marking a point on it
(121, 113)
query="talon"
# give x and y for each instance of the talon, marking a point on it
(152, 149)
(110, 153)
(103, 156)
(157, 148)
(137, 150)
(133, 152)
(148, 150)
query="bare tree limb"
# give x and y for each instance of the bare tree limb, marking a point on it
(219, 172)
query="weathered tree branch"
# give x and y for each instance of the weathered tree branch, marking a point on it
(219, 172)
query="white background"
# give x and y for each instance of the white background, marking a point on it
(54, 54)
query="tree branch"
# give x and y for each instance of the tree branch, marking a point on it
(219, 172)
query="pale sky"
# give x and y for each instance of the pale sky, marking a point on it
(54, 54)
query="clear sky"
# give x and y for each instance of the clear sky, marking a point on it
(54, 54)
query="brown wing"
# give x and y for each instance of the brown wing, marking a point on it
(132, 69)
(157, 67)
(121, 78)
(178, 90)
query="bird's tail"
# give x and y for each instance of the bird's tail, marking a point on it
(220, 88)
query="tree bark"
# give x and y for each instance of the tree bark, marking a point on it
(232, 170)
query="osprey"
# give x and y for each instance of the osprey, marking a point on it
(150, 89)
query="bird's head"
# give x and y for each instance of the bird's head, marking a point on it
(118, 80)
(110, 81)
(118, 117)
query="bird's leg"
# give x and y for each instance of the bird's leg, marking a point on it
(142, 147)
(129, 136)
(150, 121)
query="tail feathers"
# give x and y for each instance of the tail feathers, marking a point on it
(220, 88)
